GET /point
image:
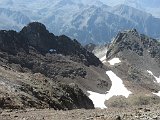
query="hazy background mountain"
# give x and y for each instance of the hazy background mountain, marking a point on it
(151, 6)
(88, 21)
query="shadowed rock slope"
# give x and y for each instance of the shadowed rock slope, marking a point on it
(41, 70)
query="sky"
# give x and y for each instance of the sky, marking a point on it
(112, 2)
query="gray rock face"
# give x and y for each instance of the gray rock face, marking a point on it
(38, 91)
(133, 41)
(139, 54)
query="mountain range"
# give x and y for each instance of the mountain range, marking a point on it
(86, 21)
(149, 6)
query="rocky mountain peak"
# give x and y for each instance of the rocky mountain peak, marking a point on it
(131, 40)
(37, 36)
(132, 31)
(125, 35)
(34, 27)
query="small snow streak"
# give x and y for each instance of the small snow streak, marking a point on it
(157, 79)
(158, 94)
(103, 59)
(52, 50)
(114, 61)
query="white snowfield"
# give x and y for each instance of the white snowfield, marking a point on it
(117, 89)
(157, 79)
(114, 61)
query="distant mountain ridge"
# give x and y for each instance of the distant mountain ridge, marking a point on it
(12, 19)
(93, 22)
(149, 6)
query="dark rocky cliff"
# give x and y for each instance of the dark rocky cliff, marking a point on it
(45, 70)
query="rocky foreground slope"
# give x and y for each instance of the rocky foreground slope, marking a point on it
(139, 113)
(41, 70)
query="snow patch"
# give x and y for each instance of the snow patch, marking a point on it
(114, 61)
(117, 89)
(157, 79)
(52, 50)
(158, 94)
(97, 99)
(149, 72)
